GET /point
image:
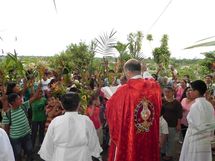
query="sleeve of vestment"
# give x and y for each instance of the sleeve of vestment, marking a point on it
(93, 143)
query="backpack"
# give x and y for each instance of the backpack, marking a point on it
(8, 114)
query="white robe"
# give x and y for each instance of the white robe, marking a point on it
(197, 142)
(6, 151)
(70, 137)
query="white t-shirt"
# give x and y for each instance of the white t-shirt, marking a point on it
(6, 151)
(163, 126)
(45, 84)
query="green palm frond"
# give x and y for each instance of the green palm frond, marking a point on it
(14, 66)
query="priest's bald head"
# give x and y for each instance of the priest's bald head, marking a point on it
(132, 68)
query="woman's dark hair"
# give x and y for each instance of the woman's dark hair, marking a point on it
(184, 95)
(10, 87)
(185, 81)
(52, 82)
(70, 101)
(12, 97)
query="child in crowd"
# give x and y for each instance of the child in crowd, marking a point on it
(38, 118)
(93, 111)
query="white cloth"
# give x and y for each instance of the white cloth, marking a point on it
(146, 74)
(136, 77)
(70, 137)
(109, 91)
(45, 84)
(163, 126)
(197, 142)
(6, 151)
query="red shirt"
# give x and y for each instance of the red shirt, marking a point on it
(93, 114)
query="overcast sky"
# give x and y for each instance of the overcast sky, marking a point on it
(40, 30)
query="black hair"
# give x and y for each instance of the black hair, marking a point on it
(209, 75)
(185, 81)
(70, 101)
(10, 87)
(52, 82)
(111, 71)
(162, 111)
(200, 86)
(184, 95)
(74, 89)
(133, 65)
(12, 97)
(169, 87)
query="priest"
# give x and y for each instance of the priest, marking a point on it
(133, 117)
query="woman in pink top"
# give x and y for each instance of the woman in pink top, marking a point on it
(186, 103)
(180, 89)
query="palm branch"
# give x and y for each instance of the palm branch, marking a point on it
(13, 63)
(106, 43)
(202, 43)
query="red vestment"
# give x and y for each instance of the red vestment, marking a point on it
(127, 144)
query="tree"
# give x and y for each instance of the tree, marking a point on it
(76, 57)
(123, 55)
(149, 37)
(135, 44)
(162, 54)
(208, 63)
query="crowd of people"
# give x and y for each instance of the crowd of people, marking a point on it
(136, 117)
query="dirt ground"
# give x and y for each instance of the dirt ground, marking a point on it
(105, 154)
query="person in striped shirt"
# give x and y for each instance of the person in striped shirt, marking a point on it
(16, 124)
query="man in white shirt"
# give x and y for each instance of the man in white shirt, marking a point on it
(197, 142)
(6, 151)
(70, 137)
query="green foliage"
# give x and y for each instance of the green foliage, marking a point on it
(76, 57)
(135, 44)
(208, 63)
(149, 37)
(162, 54)
(11, 68)
(123, 54)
